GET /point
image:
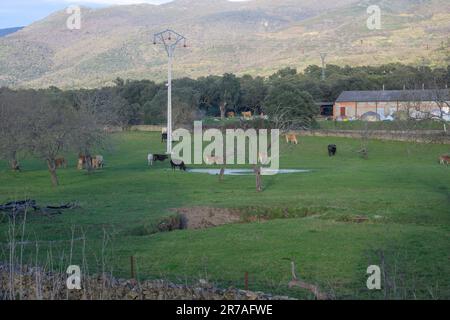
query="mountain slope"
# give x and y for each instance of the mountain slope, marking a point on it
(7, 31)
(258, 37)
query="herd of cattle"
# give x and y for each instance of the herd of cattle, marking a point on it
(212, 160)
(97, 162)
(84, 162)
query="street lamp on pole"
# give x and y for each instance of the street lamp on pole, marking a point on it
(169, 39)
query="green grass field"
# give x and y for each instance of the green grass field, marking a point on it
(401, 189)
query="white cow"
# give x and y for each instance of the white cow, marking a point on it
(150, 159)
(263, 158)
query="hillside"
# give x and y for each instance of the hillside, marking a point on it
(7, 31)
(256, 37)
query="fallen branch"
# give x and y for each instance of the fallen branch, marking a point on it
(295, 282)
(20, 207)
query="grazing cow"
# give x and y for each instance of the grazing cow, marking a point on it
(60, 162)
(213, 160)
(100, 162)
(80, 164)
(247, 115)
(444, 160)
(263, 158)
(150, 159)
(163, 137)
(82, 160)
(332, 149)
(177, 164)
(160, 157)
(95, 164)
(291, 138)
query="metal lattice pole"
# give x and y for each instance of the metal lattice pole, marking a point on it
(169, 39)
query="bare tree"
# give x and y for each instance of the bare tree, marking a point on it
(284, 119)
(13, 133)
(58, 125)
(93, 114)
(416, 109)
(51, 129)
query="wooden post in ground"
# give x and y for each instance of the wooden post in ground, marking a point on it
(246, 281)
(132, 267)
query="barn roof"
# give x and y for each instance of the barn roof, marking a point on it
(394, 95)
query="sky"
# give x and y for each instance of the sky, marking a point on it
(19, 13)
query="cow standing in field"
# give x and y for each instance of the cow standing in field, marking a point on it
(332, 149)
(177, 164)
(150, 159)
(98, 162)
(444, 160)
(60, 163)
(247, 115)
(82, 160)
(263, 158)
(211, 160)
(160, 157)
(291, 138)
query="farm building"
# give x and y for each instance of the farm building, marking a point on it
(326, 108)
(384, 105)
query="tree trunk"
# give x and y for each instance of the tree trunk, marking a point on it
(52, 169)
(89, 163)
(257, 170)
(222, 170)
(14, 164)
(223, 108)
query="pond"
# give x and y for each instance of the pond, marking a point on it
(247, 172)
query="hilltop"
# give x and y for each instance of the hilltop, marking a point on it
(256, 37)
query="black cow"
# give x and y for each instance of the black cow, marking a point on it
(178, 164)
(163, 137)
(160, 157)
(332, 149)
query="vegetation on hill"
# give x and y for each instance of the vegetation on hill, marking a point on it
(253, 37)
(7, 31)
(144, 102)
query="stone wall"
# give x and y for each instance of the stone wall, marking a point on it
(36, 284)
(420, 136)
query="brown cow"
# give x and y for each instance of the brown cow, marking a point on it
(291, 138)
(60, 163)
(263, 158)
(247, 115)
(444, 160)
(97, 162)
(210, 160)
(82, 160)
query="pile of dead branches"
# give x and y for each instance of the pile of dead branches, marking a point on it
(18, 208)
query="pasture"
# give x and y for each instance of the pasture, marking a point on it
(401, 191)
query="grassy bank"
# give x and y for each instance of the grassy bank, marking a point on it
(400, 189)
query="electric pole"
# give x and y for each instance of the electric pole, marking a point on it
(323, 56)
(169, 39)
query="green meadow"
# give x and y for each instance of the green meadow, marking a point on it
(400, 191)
